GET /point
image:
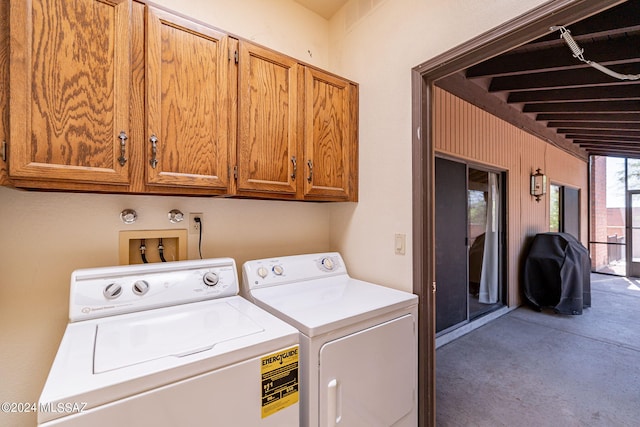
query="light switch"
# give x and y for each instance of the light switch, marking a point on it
(400, 243)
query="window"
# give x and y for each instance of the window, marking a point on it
(564, 210)
(554, 208)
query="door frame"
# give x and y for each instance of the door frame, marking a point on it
(515, 32)
(632, 270)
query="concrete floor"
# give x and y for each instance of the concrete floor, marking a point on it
(543, 369)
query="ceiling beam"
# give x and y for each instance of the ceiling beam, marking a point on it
(607, 23)
(584, 76)
(596, 93)
(605, 143)
(614, 139)
(590, 107)
(588, 117)
(595, 145)
(607, 52)
(600, 132)
(595, 125)
(622, 133)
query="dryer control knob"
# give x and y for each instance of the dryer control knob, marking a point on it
(278, 270)
(112, 291)
(140, 287)
(210, 278)
(262, 272)
(327, 263)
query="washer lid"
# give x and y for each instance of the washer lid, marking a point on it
(319, 306)
(253, 334)
(131, 340)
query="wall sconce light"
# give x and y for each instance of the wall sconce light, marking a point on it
(175, 216)
(128, 216)
(538, 184)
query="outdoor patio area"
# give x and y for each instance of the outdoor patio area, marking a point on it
(531, 368)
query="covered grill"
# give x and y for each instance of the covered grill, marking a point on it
(557, 273)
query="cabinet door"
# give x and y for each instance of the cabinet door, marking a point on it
(69, 84)
(186, 104)
(267, 138)
(4, 91)
(329, 139)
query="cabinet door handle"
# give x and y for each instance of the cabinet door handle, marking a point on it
(310, 177)
(154, 151)
(123, 147)
(295, 167)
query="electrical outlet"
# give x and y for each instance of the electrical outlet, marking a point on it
(194, 226)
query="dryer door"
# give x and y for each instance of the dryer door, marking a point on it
(369, 378)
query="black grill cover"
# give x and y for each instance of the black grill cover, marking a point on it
(557, 273)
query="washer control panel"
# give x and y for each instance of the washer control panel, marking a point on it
(279, 271)
(99, 292)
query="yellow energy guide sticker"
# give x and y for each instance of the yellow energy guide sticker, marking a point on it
(279, 380)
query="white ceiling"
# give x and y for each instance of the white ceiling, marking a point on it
(324, 8)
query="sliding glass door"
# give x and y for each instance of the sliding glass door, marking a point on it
(633, 232)
(469, 249)
(451, 244)
(485, 226)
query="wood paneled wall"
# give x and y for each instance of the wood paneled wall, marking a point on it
(464, 131)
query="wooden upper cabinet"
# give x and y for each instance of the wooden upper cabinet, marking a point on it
(187, 104)
(122, 96)
(69, 85)
(330, 137)
(267, 123)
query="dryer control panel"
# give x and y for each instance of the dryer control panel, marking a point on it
(279, 271)
(100, 292)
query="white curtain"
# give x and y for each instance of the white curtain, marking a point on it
(490, 262)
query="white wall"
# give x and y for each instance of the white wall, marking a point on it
(282, 25)
(377, 46)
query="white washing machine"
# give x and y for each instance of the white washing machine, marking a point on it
(170, 344)
(358, 340)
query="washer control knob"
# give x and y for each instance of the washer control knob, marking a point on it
(210, 278)
(140, 287)
(112, 291)
(278, 270)
(262, 272)
(328, 263)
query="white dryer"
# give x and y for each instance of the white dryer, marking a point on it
(170, 344)
(358, 340)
